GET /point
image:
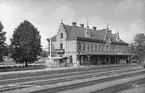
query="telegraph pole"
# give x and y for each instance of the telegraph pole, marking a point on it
(50, 51)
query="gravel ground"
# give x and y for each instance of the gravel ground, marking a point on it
(135, 89)
(86, 89)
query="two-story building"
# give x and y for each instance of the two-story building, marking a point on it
(84, 45)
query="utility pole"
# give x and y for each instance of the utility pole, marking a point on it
(50, 51)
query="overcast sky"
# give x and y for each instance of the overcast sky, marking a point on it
(127, 16)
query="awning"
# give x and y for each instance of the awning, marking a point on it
(107, 53)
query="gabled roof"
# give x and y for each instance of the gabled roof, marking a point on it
(79, 32)
(76, 31)
(52, 38)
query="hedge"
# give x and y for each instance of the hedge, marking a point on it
(19, 68)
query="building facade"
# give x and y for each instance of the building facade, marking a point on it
(88, 46)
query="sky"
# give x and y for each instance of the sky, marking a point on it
(125, 16)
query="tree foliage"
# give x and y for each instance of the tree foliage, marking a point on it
(25, 43)
(139, 45)
(44, 53)
(2, 41)
(5, 50)
(132, 48)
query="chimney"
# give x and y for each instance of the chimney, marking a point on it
(74, 23)
(94, 27)
(82, 25)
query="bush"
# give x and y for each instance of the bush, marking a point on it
(20, 68)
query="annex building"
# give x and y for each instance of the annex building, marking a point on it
(82, 45)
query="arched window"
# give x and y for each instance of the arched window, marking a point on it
(61, 35)
(71, 59)
(61, 46)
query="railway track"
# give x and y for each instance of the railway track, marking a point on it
(121, 87)
(61, 75)
(64, 71)
(70, 79)
(88, 83)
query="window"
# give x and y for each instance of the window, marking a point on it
(79, 46)
(120, 49)
(125, 49)
(84, 47)
(61, 35)
(99, 47)
(117, 48)
(70, 59)
(113, 49)
(110, 48)
(88, 47)
(102, 48)
(96, 48)
(92, 47)
(107, 48)
(61, 46)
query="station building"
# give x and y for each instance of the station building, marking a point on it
(83, 45)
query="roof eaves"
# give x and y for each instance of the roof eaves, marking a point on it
(119, 43)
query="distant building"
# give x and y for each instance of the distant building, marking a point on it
(84, 45)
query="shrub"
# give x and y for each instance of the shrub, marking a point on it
(19, 68)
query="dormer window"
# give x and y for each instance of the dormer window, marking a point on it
(87, 32)
(61, 35)
(117, 37)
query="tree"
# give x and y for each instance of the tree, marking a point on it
(44, 53)
(139, 43)
(6, 50)
(25, 43)
(132, 48)
(2, 41)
